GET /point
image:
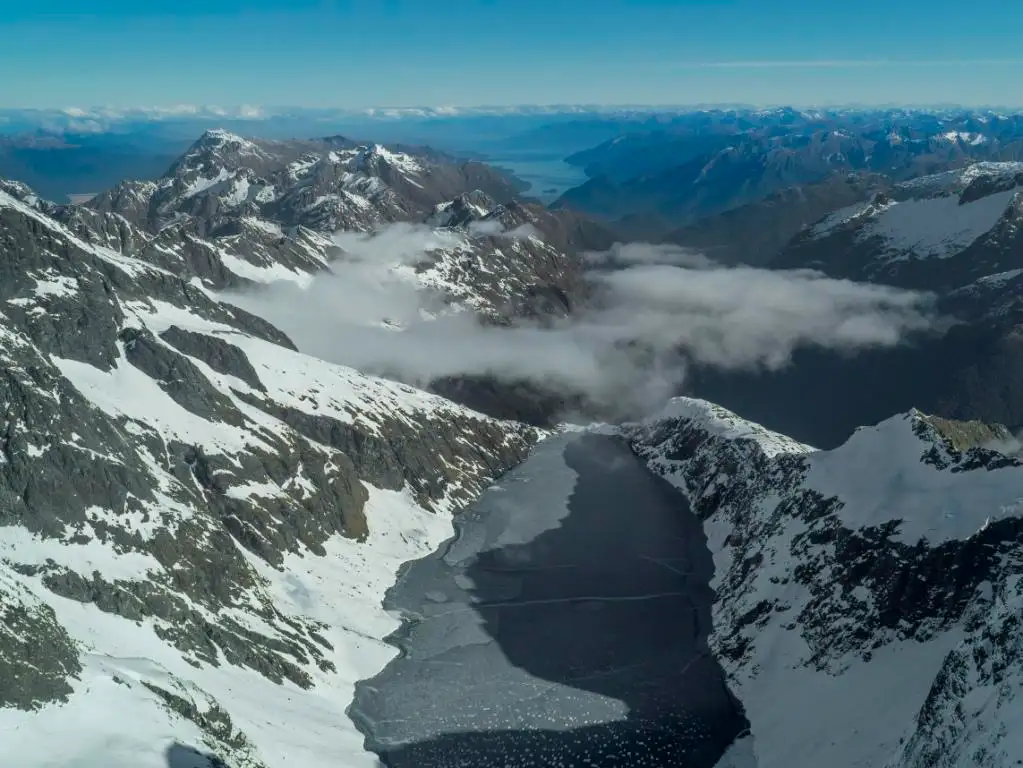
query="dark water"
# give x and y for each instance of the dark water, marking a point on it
(565, 625)
(549, 175)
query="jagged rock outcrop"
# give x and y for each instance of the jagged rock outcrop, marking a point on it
(233, 211)
(865, 595)
(323, 184)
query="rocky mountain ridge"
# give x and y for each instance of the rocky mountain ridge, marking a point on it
(939, 232)
(866, 596)
(269, 208)
(191, 507)
(326, 184)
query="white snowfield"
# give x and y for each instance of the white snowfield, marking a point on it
(932, 223)
(937, 227)
(816, 692)
(113, 721)
(932, 505)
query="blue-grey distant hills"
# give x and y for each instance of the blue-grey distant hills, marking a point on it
(670, 174)
(61, 165)
(82, 150)
(955, 235)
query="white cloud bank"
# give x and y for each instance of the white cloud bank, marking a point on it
(654, 308)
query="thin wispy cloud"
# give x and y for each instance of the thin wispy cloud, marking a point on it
(843, 63)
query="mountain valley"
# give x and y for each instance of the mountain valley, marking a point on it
(291, 432)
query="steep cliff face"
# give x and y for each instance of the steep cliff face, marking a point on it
(197, 521)
(866, 596)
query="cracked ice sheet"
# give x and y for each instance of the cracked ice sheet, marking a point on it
(563, 617)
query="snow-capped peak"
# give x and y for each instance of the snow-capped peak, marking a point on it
(919, 477)
(400, 161)
(218, 150)
(724, 423)
(934, 217)
(218, 137)
(867, 596)
(472, 206)
(973, 139)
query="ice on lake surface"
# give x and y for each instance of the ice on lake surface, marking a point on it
(565, 624)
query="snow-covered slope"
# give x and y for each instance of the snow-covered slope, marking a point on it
(197, 522)
(867, 597)
(936, 232)
(233, 210)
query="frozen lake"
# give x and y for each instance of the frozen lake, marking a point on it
(565, 624)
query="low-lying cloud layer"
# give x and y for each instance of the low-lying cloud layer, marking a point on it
(743, 317)
(655, 308)
(1011, 445)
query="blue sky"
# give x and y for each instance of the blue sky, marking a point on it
(356, 53)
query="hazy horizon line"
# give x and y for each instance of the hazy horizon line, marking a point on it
(845, 63)
(268, 111)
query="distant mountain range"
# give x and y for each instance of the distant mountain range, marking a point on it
(671, 174)
(653, 169)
